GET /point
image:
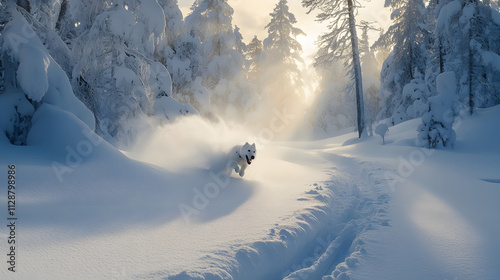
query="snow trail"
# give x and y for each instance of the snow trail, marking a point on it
(314, 241)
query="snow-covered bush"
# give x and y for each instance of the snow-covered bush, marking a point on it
(381, 130)
(414, 101)
(436, 130)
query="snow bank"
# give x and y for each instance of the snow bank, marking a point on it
(54, 127)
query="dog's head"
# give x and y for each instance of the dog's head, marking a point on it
(248, 152)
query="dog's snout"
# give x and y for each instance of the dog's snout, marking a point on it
(253, 157)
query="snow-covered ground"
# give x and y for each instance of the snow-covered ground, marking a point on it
(332, 209)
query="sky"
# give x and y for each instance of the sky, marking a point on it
(251, 16)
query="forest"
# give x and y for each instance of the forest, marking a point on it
(131, 64)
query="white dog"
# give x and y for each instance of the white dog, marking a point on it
(240, 157)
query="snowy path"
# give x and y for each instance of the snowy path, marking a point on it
(117, 219)
(112, 218)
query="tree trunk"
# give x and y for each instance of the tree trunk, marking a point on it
(441, 57)
(411, 62)
(357, 70)
(470, 66)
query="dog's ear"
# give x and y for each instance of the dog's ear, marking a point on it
(253, 145)
(246, 143)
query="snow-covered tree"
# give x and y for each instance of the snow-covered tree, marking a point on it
(42, 16)
(341, 43)
(223, 61)
(185, 62)
(82, 14)
(254, 58)
(469, 31)
(108, 49)
(116, 75)
(183, 58)
(435, 62)
(174, 23)
(283, 53)
(408, 60)
(211, 21)
(103, 80)
(239, 44)
(33, 85)
(436, 130)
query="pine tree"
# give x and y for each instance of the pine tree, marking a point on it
(254, 58)
(341, 43)
(211, 21)
(408, 59)
(223, 62)
(239, 44)
(174, 23)
(283, 53)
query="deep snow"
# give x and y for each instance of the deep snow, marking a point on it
(332, 208)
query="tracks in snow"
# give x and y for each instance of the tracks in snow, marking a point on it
(359, 205)
(323, 241)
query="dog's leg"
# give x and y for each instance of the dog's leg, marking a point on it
(242, 170)
(234, 165)
(230, 165)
